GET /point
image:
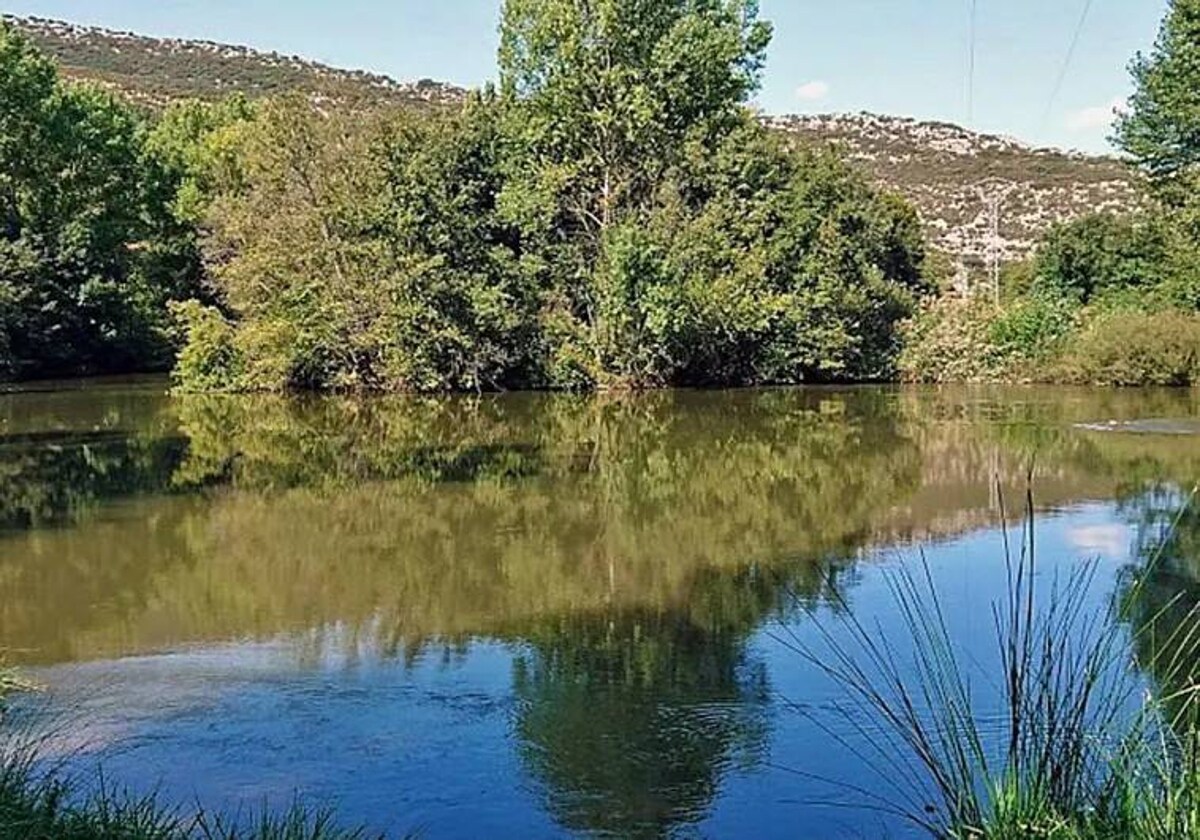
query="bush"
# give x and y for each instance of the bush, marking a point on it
(1135, 348)
(951, 340)
(209, 361)
(1033, 328)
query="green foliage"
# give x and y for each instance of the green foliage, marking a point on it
(1033, 328)
(1047, 339)
(1161, 131)
(209, 359)
(606, 95)
(1056, 746)
(1147, 257)
(1107, 299)
(36, 804)
(195, 144)
(951, 340)
(614, 217)
(362, 253)
(89, 251)
(1135, 348)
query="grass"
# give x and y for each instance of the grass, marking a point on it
(1061, 741)
(39, 802)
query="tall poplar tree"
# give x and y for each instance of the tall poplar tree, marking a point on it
(1161, 130)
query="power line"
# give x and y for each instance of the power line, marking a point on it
(972, 38)
(1066, 66)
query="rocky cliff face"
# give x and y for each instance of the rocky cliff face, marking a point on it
(948, 172)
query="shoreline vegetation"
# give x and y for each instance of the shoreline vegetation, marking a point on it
(1059, 738)
(609, 214)
(40, 800)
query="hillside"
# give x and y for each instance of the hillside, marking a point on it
(937, 166)
(947, 171)
(155, 71)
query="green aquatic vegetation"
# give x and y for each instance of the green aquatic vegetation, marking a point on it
(1054, 742)
(42, 804)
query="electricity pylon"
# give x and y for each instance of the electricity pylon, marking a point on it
(993, 193)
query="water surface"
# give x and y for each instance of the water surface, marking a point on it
(531, 615)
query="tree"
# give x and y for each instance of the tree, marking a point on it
(615, 216)
(195, 144)
(85, 261)
(608, 91)
(757, 263)
(363, 252)
(1161, 130)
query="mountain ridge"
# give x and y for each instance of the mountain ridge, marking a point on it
(948, 172)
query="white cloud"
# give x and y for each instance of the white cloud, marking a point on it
(813, 91)
(1098, 116)
(1108, 541)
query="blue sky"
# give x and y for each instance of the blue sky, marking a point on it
(904, 57)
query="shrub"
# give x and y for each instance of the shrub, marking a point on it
(1135, 348)
(950, 340)
(1032, 328)
(208, 361)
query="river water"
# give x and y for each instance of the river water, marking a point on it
(533, 616)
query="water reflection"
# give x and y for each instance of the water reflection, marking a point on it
(1162, 596)
(414, 520)
(629, 722)
(625, 551)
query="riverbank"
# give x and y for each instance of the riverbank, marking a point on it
(1051, 342)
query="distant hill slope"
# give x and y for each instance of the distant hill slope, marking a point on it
(947, 172)
(935, 165)
(155, 71)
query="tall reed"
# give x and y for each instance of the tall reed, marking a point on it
(1060, 740)
(39, 801)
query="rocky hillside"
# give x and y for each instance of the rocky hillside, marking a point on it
(951, 174)
(946, 171)
(155, 71)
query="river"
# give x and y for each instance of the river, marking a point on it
(528, 615)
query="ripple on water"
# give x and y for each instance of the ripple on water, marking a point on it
(1163, 426)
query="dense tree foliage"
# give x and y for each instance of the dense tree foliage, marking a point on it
(89, 250)
(611, 215)
(1120, 259)
(1161, 130)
